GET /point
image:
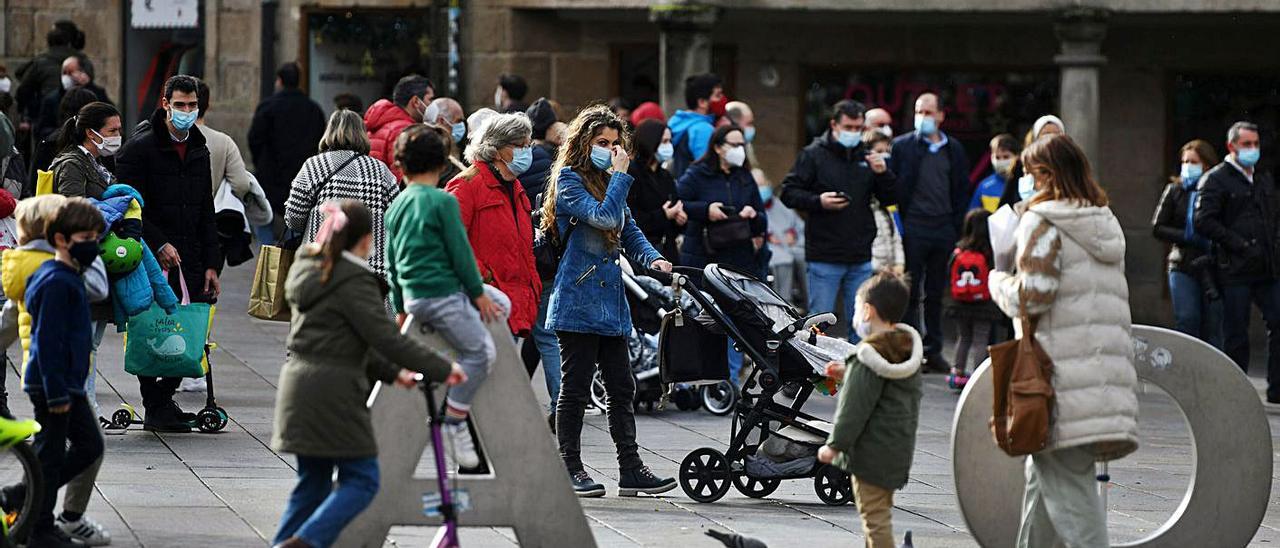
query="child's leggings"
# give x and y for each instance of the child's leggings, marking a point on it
(456, 319)
(972, 335)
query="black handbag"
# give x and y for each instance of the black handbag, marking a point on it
(725, 234)
(548, 249)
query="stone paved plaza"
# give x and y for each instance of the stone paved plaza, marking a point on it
(228, 489)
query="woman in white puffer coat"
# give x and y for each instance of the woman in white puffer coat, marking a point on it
(1070, 271)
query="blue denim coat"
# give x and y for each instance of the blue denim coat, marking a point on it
(587, 295)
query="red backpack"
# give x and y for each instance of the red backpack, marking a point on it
(969, 270)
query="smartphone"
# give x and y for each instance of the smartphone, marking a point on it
(842, 195)
(729, 211)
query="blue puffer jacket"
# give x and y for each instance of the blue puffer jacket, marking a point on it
(588, 293)
(134, 292)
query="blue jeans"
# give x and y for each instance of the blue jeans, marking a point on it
(1236, 301)
(548, 346)
(827, 281)
(266, 234)
(317, 512)
(1193, 313)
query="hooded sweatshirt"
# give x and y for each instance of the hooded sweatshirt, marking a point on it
(1070, 261)
(878, 408)
(690, 134)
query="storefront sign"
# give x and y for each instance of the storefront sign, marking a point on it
(160, 14)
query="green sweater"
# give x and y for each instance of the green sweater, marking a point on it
(428, 254)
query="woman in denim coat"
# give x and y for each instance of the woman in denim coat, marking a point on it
(586, 206)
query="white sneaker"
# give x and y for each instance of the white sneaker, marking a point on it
(197, 384)
(85, 530)
(463, 447)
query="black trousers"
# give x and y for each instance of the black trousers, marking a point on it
(78, 429)
(928, 253)
(157, 392)
(579, 355)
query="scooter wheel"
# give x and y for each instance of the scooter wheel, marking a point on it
(121, 418)
(210, 420)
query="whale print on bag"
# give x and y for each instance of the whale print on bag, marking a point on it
(174, 345)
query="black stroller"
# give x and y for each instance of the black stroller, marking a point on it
(785, 348)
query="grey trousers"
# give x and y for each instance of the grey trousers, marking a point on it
(459, 323)
(1061, 506)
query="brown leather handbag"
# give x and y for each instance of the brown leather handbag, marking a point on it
(1024, 398)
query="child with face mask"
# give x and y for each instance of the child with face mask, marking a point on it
(1004, 160)
(886, 249)
(874, 432)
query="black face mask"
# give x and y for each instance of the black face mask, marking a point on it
(84, 253)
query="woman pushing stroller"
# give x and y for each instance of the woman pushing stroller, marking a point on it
(586, 206)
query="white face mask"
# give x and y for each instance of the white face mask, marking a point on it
(736, 156)
(67, 82)
(1002, 166)
(431, 114)
(109, 145)
(860, 324)
(5, 84)
(886, 130)
(497, 98)
(1026, 186)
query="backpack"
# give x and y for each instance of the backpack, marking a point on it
(547, 248)
(969, 270)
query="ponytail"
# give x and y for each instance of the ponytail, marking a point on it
(75, 130)
(346, 223)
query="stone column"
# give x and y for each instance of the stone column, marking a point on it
(684, 45)
(1080, 32)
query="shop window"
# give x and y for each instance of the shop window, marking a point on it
(364, 52)
(1205, 105)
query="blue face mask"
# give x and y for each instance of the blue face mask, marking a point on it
(521, 159)
(926, 125)
(749, 134)
(1248, 157)
(1026, 187)
(1190, 174)
(665, 151)
(766, 193)
(601, 157)
(848, 139)
(183, 121)
(459, 131)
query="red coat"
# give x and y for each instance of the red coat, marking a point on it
(502, 238)
(384, 121)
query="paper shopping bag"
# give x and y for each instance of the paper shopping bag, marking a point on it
(266, 297)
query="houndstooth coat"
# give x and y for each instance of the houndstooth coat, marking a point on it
(365, 179)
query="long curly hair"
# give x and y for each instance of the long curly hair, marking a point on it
(575, 154)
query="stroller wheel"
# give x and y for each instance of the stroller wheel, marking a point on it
(704, 475)
(833, 485)
(686, 399)
(598, 393)
(755, 488)
(720, 398)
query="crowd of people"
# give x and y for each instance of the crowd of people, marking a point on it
(521, 215)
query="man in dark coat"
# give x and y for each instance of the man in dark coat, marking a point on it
(285, 131)
(535, 178)
(167, 161)
(44, 73)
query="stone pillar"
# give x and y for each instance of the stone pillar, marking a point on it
(1080, 32)
(684, 45)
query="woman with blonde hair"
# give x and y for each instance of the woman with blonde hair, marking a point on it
(585, 207)
(1070, 279)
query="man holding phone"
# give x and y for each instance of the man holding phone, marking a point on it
(833, 181)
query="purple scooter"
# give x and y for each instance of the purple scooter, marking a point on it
(447, 536)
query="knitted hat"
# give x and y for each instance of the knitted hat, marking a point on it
(542, 115)
(647, 110)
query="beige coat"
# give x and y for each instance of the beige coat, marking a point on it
(1071, 274)
(225, 161)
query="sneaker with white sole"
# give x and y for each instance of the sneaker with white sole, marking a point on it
(462, 446)
(85, 530)
(196, 384)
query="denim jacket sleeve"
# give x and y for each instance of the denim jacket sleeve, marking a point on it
(636, 245)
(573, 199)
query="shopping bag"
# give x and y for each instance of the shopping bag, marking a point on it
(266, 297)
(44, 182)
(158, 344)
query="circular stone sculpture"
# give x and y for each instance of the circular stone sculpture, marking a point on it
(1231, 439)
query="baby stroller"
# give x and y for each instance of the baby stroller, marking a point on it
(769, 441)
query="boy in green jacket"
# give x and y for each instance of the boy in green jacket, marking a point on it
(874, 437)
(433, 275)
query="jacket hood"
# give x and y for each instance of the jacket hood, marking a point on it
(382, 113)
(71, 155)
(305, 289)
(118, 190)
(870, 357)
(1096, 229)
(542, 116)
(683, 120)
(20, 263)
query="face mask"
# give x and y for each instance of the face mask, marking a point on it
(848, 139)
(886, 130)
(666, 151)
(67, 82)
(5, 84)
(1002, 166)
(886, 156)
(109, 145)
(736, 156)
(860, 325)
(749, 134)
(1247, 157)
(431, 113)
(84, 253)
(766, 193)
(1026, 186)
(459, 131)
(601, 157)
(926, 125)
(1191, 173)
(717, 106)
(521, 159)
(183, 121)
(497, 98)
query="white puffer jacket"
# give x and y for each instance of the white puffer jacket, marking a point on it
(1071, 273)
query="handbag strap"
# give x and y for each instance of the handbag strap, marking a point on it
(327, 178)
(182, 285)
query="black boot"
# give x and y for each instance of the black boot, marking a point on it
(641, 480)
(584, 486)
(52, 538)
(165, 419)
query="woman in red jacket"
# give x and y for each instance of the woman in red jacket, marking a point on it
(495, 211)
